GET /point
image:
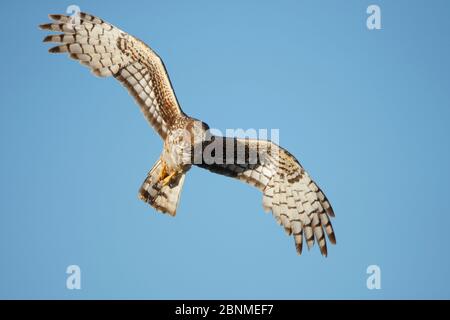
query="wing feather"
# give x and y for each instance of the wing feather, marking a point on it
(295, 200)
(108, 51)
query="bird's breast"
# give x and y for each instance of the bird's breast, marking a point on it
(177, 155)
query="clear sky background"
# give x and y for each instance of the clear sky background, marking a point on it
(366, 112)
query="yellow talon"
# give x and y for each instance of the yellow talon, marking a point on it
(167, 180)
(163, 173)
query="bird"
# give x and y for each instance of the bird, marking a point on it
(295, 200)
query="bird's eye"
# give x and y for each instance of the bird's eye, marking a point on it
(205, 126)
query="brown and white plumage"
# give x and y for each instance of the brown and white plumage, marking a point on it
(296, 202)
(163, 198)
(108, 51)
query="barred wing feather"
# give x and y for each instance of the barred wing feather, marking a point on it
(297, 203)
(109, 51)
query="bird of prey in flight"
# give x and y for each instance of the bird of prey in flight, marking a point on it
(295, 200)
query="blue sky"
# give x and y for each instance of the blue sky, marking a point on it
(366, 112)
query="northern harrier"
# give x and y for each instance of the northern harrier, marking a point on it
(296, 202)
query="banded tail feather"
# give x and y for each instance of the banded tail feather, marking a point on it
(164, 198)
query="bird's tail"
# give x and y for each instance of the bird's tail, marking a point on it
(163, 198)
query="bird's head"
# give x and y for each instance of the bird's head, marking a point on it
(199, 131)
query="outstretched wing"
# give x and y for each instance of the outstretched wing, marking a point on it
(295, 200)
(109, 51)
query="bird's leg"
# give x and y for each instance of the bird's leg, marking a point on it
(168, 178)
(166, 175)
(163, 174)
